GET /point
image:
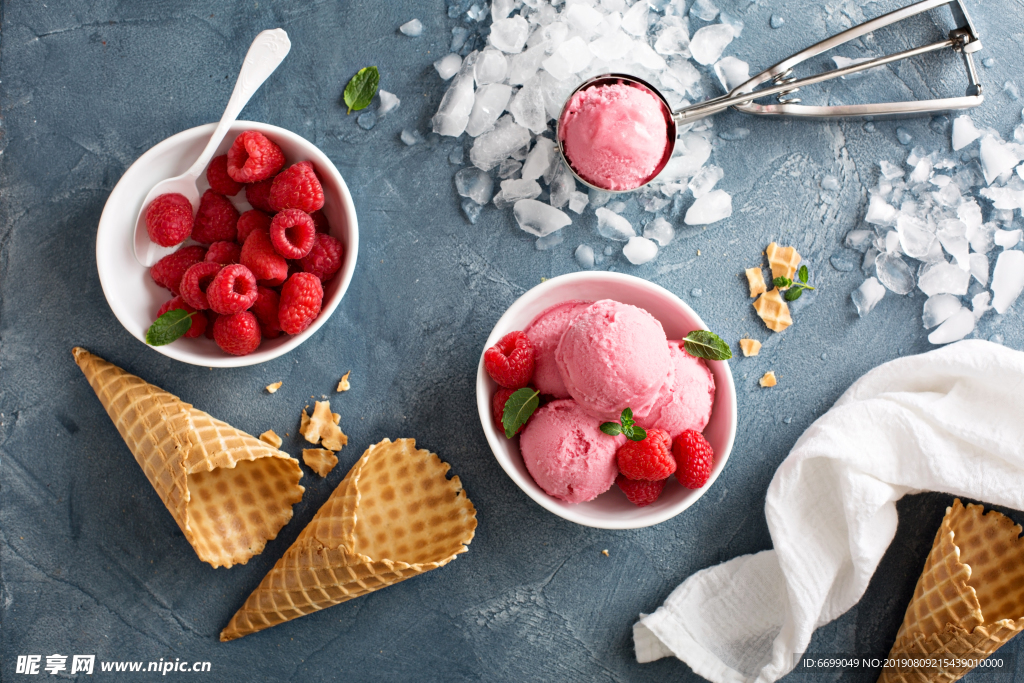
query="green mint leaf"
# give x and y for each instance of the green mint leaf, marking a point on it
(518, 409)
(360, 90)
(802, 274)
(169, 327)
(706, 344)
(635, 433)
(781, 282)
(611, 428)
(627, 417)
(794, 294)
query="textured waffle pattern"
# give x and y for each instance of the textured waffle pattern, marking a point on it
(755, 280)
(394, 516)
(970, 598)
(773, 311)
(229, 492)
(782, 260)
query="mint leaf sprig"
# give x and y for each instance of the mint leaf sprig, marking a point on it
(796, 288)
(706, 344)
(360, 90)
(168, 327)
(518, 409)
(626, 426)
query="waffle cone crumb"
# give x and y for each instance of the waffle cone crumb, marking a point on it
(750, 347)
(782, 260)
(755, 280)
(773, 311)
(769, 379)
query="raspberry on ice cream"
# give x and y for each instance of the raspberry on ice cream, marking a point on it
(545, 332)
(615, 136)
(567, 454)
(614, 356)
(684, 403)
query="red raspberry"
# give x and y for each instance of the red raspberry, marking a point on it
(223, 253)
(498, 407)
(249, 221)
(252, 158)
(258, 255)
(647, 460)
(237, 334)
(198, 320)
(268, 302)
(216, 220)
(694, 458)
(211, 318)
(258, 195)
(169, 219)
(167, 271)
(297, 187)
(293, 233)
(324, 259)
(233, 289)
(301, 298)
(220, 181)
(510, 361)
(320, 221)
(195, 281)
(640, 493)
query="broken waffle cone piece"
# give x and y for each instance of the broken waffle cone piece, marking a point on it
(228, 491)
(969, 600)
(782, 260)
(773, 311)
(755, 281)
(320, 460)
(395, 515)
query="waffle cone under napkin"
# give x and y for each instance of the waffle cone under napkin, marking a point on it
(969, 600)
(228, 491)
(394, 516)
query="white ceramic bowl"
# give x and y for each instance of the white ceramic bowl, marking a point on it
(610, 510)
(131, 292)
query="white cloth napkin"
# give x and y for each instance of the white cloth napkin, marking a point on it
(949, 420)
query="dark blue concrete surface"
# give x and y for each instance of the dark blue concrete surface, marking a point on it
(92, 563)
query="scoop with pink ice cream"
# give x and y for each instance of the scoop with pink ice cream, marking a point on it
(567, 454)
(614, 356)
(545, 332)
(616, 135)
(684, 403)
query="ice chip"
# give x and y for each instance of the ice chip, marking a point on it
(982, 237)
(859, 239)
(951, 234)
(578, 201)
(563, 184)
(490, 148)
(915, 238)
(660, 230)
(938, 309)
(890, 171)
(639, 250)
(867, 296)
(528, 106)
(1007, 238)
(943, 278)
(508, 168)
(735, 134)
(514, 190)
(733, 21)
(682, 77)
(538, 218)
(598, 198)
(830, 183)
(475, 184)
(922, 171)
(843, 262)
(500, 9)
(488, 105)
(585, 256)
(732, 72)
(457, 156)
(491, 67)
(894, 273)
(388, 102)
(538, 161)
(448, 65)
(712, 207)
(367, 120)
(459, 36)
(612, 226)
(980, 304)
(979, 268)
(583, 19)
(777, 21)
(411, 136)
(880, 212)
(708, 43)
(524, 66)
(997, 158)
(673, 40)
(904, 136)
(509, 35)
(645, 56)
(571, 57)
(549, 241)
(955, 328)
(471, 209)
(476, 12)
(634, 21)
(453, 113)
(653, 203)
(613, 46)
(1007, 280)
(412, 28)
(705, 180)
(704, 10)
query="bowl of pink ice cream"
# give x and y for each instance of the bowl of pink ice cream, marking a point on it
(604, 341)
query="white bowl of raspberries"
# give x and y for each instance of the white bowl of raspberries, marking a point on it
(259, 265)
(558, 372)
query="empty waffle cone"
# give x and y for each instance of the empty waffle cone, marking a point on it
(394, 516)
(969, 600)
(229, 492)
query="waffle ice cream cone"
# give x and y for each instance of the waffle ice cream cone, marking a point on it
(229, 492)
(969, 600)
(394, 516)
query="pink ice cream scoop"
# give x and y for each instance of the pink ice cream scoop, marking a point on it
(615, 135)
(685, 402)
(545, 332)
(614, 356)
(567, 454)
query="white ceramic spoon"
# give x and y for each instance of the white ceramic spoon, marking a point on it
(265, 54)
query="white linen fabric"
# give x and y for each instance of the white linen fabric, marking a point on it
(949, 420)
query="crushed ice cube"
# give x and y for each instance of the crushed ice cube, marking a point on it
(843, 262)
(645, 56)
(448, 65)
(598, 198)
(943, 278)
(476, 12)
(981, 304)
(634, 21)
(583, 19)
(733, 21)
(653, 203)
(614, 46)
(639, 250)
(491, 67)
(617, 207)
(523, 66)
(732, 72)
(735, 134)
(660, 230)
(388, 102)
(867, 296)
(915, 238)
(704, 10)
(859, 239)
(894, 273)
(490, 148)
(964, 132)
(880, 212)
(1007, 238)
(982, 237)
(453, 113)
(562, 185)
(509, 35)
(938, 309)
(549, 241)
(457, 156)
(1007, 280)
(612, 226)
(955, 328)
(475, 184)
(997, 158)
(979, 268)
(538, 218)
(777, 21)
(830, 183)
(712, 207)
(1010, 88)
(412, 28)
(502, 8)
(471, 209)
(367, 120)
(538, 161)
(674, 39)
(513, 190)
(411, 136)
(904, 136)
(705, 180)
(528, 106)
(708, 43)
(571, 57)
(890, 171)
(488, 105)
(585, 256)
(578, 201)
